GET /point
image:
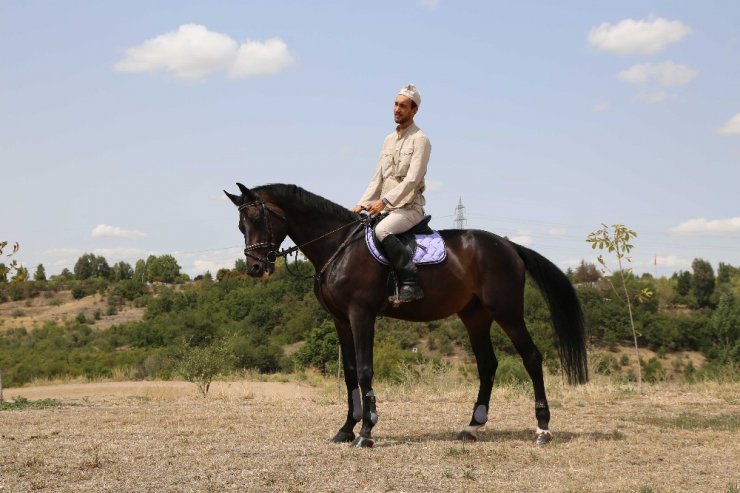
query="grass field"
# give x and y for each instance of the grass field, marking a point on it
(254, 435)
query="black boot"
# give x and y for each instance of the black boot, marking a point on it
(405, 269)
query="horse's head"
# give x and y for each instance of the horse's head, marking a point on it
(264, 227)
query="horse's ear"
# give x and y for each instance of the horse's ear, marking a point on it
(247, 193)
(236, 199)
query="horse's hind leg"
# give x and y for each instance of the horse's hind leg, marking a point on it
(354, 412)
(478, 323)
(516, 329)
(363, 331)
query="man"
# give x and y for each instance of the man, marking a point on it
(397, 187)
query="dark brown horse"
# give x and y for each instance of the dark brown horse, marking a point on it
(481, 280)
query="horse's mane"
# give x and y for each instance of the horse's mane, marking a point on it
(306, 200)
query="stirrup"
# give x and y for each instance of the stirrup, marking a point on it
(412, 293)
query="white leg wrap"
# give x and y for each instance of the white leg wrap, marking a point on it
(473, 430)
(540, 431)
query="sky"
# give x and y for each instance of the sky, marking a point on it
(122, 122)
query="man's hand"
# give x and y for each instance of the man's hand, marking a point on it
(357, 209)
(376, 208)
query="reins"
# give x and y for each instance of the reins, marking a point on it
(273, 254)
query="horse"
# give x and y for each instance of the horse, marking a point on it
(481, 280)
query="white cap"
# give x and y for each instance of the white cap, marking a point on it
(411, 92)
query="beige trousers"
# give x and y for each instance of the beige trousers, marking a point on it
(399, 221)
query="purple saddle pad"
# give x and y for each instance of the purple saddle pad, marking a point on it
(430, 249)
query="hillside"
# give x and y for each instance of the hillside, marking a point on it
(60, 306)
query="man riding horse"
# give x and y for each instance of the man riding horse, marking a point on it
(397, 188)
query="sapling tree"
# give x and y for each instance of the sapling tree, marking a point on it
(201, 364)
(617, 241)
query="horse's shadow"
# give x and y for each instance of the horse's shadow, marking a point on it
(497, 436)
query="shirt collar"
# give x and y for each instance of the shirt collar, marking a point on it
(406, 131)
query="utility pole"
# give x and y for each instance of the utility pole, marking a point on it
(460, 220)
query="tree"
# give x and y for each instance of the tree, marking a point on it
(83, 267)
(683, 282)
(702, 281)
(586, 272)
(320, 349)
(162, 269)
(100, 268)
(617, 241)
(201, 364)
(726, 321)
(21, 274)
(140, 271)
(121, 271)
(40, 274)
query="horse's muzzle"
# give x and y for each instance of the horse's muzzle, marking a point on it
(261, 270)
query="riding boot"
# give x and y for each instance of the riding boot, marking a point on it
(405, 269)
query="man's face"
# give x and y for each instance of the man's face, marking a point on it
(403, 111)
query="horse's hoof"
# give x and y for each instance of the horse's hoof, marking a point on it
(466, 436)
(343, 437)
(361, 442)
(543, 437)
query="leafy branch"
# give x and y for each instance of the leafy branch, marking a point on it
(14, 266)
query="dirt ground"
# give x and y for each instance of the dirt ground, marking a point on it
(271, 436)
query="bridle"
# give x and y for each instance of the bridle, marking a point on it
(273, 253)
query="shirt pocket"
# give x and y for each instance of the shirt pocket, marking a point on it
(404, 161)
(387, 168)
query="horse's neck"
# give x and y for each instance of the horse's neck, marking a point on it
(304, 230)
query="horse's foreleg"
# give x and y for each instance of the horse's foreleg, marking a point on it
(363, 330)
(354, 404)
(478, 324)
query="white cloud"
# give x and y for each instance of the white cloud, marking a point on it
(732, 127)
(198, 263)
(671, 261)
(665, 74)
(130, 255)
(255, 58)
(558, 232)
(193, 52)
(430, 4)
(106, 231)
(707, 227)
(631, 36)
(601, 106)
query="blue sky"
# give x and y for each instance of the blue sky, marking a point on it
(121, 122)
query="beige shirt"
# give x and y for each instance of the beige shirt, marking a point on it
(399, 176)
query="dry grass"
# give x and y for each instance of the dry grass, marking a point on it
(272, 436)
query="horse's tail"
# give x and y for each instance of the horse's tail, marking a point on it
(565, 310)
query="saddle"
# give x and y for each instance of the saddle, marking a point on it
(426, 245)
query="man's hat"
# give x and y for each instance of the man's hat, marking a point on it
(411, 92)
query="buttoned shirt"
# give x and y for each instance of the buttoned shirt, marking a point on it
(399, 175)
